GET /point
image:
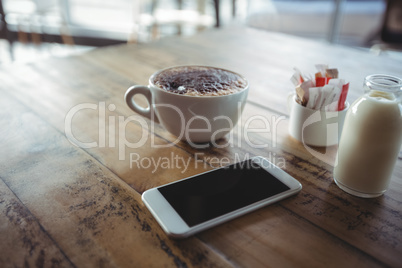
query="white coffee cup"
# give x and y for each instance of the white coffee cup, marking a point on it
(314, 127)
(196, 119)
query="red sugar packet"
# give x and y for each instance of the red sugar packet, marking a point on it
(322, 81)
(342, 98)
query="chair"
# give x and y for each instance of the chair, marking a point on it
(164, 18)
(4, 32)
(392, 27)
(391, 30)
(29, 20)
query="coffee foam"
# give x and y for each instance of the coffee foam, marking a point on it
(199, 81)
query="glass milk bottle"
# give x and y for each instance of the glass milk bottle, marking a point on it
(371, 138)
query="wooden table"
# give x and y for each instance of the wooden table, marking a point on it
(80, 206)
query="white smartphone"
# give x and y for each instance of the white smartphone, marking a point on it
(188, 206)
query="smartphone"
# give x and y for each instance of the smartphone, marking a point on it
(190, 205)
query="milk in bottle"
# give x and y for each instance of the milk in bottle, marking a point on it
(371, 138)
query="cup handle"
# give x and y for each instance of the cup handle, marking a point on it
(290, 101)
(143, 90)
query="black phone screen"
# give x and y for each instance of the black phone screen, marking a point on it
(221, 191)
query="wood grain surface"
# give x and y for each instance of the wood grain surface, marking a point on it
(65, 204)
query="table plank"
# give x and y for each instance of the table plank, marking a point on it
(89, 214)
(24, 241)
(272, 235)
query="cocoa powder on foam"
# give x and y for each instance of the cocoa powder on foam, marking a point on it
(199, 81)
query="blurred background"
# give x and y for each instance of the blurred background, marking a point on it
(34, 29)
